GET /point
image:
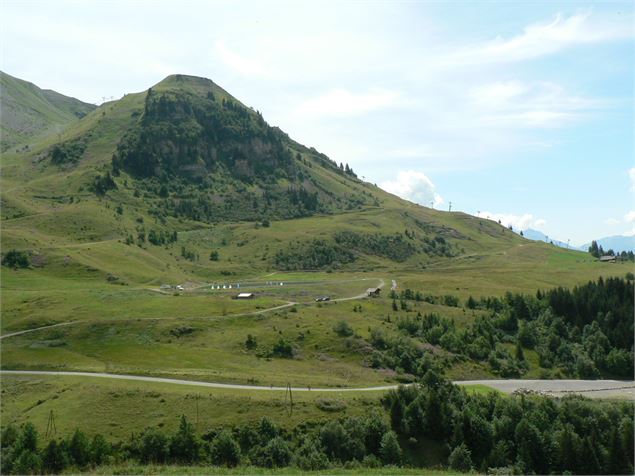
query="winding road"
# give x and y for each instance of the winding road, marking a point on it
(590, 388)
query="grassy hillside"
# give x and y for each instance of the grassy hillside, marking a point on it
(103, 234)
(133, 228)
(30, 113)
(101, 239)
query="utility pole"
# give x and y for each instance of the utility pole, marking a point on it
(50, 425)
(568, 240)
(450, 207)
(432, 205)
(288, 397)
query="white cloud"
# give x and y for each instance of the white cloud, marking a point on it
(611, 221)
(540, 39)
(518, 222)
(241, 64)
(631, 176)
(513, 104)
(630, 217)
(497, 93)
(342, 102)
(414, 186)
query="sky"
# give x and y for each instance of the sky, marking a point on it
(520, 111)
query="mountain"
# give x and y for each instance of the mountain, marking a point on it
(165, 176)
(222, 160)
(617, 243)
(29, 112)
(134, 226)
(540, 236)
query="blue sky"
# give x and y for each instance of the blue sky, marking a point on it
(522, 111)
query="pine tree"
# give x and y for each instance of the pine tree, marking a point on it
(390, 451)
(184, 445)
(618, 461)
(460, 459)
(53, 460)
(568, 450)
(79, 449)
(589, 463)
(593, 249)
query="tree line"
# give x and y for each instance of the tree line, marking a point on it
(518, 434)
(584, 332)
(596, 251)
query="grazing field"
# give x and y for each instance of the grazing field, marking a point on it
(115, 408)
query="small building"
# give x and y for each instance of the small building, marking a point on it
(608, 259)
(245, 296)
(373, 292)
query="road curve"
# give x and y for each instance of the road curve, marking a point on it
(590, 388)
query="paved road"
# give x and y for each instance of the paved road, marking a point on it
(590, 388)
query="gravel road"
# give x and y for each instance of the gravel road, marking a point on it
(590, 388)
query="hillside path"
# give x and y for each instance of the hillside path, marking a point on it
(242, 314)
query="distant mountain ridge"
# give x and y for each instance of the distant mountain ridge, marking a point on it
(29, 112)
(536, 235)
(617, 243)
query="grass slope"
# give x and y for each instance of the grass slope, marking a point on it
(86, 268)
(29, 113)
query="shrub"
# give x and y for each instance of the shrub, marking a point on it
(310, 456)
(16, 259)
(224, 450)
(283, 349)
(251, 342)
(460, 459)
(389, 450)
(330, 404)
(274, 454)
(342, 329)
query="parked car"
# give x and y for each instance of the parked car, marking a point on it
(322, 299)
